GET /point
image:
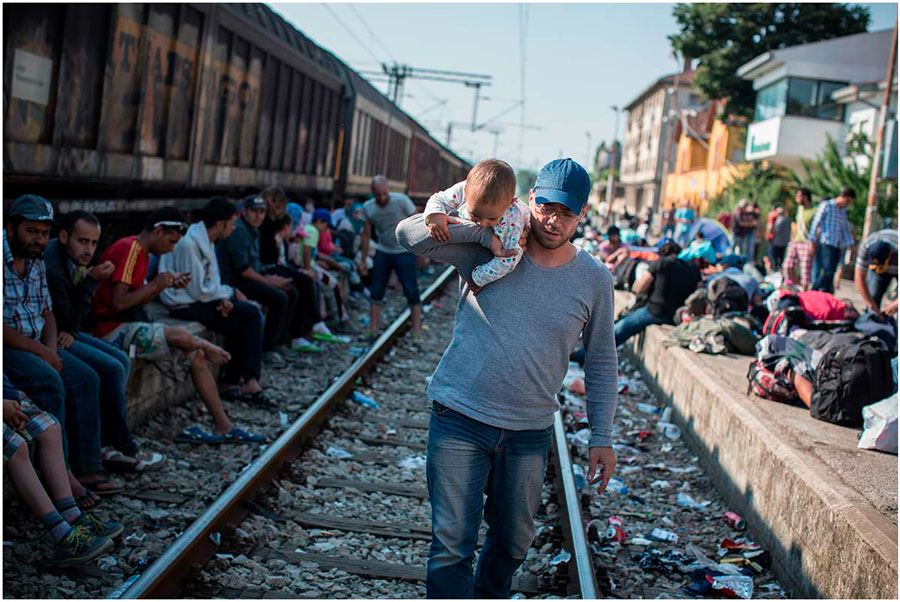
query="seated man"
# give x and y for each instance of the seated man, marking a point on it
(78, 537)
(72, 285)
(876, 266)
(217, 306)
(314, 261)
(611, 244)
(120, 318)
(667, 284)
(240, 267)
(56, 380)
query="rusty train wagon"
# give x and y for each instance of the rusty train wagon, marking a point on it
(120, 108)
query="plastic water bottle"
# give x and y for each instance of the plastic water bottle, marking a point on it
(363, 400)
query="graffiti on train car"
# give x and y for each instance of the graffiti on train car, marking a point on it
(168, 67)
(237, 103)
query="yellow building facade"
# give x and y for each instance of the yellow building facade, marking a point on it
(703, 167)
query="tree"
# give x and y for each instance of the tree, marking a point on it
(831, 172)
(725, 36)
(759, 183)
(525, 179)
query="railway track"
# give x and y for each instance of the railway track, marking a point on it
(337, 506)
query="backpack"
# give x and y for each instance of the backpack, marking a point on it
(733, 334)
(726, 295)
(763, 382)
(849, 378)
(625, 274)
(782, 321)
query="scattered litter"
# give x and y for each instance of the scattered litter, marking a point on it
(617, 485)
(580, 477)
(107, 562)
(639, 541)
(735, 521)
(334, 451)
(117, 593)
(386, 430)
(135, 537)
(417, 461)
(669, 430)
(427, 308)
(660, 484)
(518, 596)
(648, 408)
(577, 387)
(358, 350)
(561, 558)
(284, 418)
(663, 535)
(629, 470)
(666, 415)
(683, 499)
(733, 586)
(364, 401)
(225, 556)
(581, 437)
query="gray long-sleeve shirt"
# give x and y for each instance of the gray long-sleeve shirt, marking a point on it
(511, 343)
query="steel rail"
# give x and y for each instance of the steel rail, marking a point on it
(573, 524)
(198, 543)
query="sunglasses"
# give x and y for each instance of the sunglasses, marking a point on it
(180, 226)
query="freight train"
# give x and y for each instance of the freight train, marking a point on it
(123, 107)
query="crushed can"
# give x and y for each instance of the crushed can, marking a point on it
(615, 533)
(735, 521)
(616, 521)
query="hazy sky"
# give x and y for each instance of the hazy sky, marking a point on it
(580, 59)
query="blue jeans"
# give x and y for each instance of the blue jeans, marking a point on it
(877, 285)
(827, 259)
(112, 367)
(635, 323)
(405, 266)
(745, 245)
(69, 396)
(466, 460)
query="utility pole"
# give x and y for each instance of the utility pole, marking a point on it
(610, 178)
(872, 206)
(397, 75)
(477, 86)
(587, 160)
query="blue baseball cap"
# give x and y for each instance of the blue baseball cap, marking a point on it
(322, 215)
(563, 181)
(254, 201)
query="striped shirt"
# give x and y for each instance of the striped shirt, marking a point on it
(830, 226)
(132, 263)
(26, 298)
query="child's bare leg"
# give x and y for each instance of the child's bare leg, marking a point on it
(27, 483)
(209, 392)
(53, 466)
(181, 339)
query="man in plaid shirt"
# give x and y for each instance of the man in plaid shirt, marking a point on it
(830, 235)
(56, 380)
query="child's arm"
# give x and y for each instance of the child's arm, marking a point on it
(508, 231)
(438, 209)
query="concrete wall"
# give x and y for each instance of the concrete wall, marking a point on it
(826, 539)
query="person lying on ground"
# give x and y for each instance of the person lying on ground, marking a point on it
(77, 536)
(120, 318)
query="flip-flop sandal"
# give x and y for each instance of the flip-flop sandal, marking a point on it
(194, 434)
(237, 435)
(94, 486)
(88, 496)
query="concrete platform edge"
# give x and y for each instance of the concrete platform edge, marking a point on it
(815, 526)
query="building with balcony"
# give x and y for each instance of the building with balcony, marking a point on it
(649, 138)
(795, 108)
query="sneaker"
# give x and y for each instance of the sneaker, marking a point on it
(78, 547)
(331, 338)
(97, 528)
(306, 348)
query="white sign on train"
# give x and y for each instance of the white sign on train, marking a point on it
(31, 77)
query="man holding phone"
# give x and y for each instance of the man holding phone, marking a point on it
(120, 318)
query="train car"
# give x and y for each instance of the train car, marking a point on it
(165, 100)
(120, 108)
(432, 166)
(379, 139)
